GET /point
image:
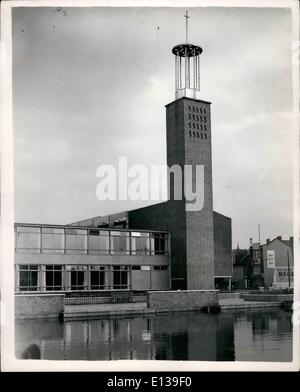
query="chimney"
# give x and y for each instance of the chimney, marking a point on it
(268, 240)
(279, 237)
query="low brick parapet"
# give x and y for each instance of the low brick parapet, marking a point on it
(182, 300)
(38, 305)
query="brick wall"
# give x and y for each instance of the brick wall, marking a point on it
(168, 216)
(222, 245)
(182, 300)
(38, 306)
(192, 256)
(199, 224)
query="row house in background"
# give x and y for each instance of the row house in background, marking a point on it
(269, 265)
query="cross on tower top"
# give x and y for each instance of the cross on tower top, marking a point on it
(186, 15)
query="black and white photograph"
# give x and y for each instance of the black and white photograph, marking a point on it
(149, 185)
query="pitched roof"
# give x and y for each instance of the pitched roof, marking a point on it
(288, 243)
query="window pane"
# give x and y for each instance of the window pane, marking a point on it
(97, 280)
(145, 267)
(94, 243)
(51, 230)
(116, 243)
(57, 278)
(34, 267)
(76, 241)
(120, 244)
(117, 233)
(49, 278)
(33, 278)
(28, 238)
(23, 267)
(27, 229)
(120, 277)
(124, 278)
(136, 267)
(139, 234)
(135, 234)
(49, 267)
(140, 245)
(73, 279)
(77, 280)
(98, 242)
(97, 268)
(28, 277)
(24, 278)
(116, 268)
(53, 240)
(117, 279)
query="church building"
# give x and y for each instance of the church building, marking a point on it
(159, 247)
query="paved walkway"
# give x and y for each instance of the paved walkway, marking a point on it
(84, 311)
(239, 303)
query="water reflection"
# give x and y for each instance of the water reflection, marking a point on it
(254, 336)
(264, 336)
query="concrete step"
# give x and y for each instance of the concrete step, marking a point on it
(224, 295)
(231, 301)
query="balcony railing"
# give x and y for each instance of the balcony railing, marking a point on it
(31, 238)
(105, 297)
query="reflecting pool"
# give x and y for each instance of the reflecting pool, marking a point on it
(247, 336)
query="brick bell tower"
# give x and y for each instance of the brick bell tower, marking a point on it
(189, 143)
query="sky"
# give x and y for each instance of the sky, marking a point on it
(90, 86)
